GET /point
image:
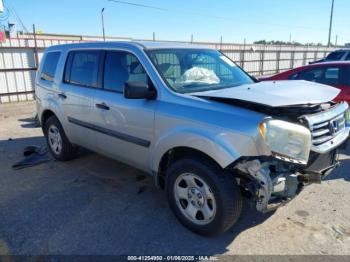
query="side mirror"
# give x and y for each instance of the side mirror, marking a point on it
(138, 90)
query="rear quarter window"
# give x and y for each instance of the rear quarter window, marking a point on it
(50, 65)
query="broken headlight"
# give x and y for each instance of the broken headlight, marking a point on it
(347, 117)
(287, 141)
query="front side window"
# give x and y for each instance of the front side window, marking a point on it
(121, 67)
(49, 66)
(82, 68)
(312, 75)
(196, 70)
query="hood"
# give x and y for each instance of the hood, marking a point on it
(277, 93)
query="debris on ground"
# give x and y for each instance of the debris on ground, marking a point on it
(33, 155)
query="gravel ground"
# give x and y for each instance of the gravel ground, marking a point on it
(95, 205)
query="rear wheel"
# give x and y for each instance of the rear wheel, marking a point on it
(203, 197)
(57, 141)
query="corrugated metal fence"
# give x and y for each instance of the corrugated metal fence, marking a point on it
(20, 57)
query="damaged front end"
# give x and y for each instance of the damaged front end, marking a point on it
(270, 182)
(298, 158)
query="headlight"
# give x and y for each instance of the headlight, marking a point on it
(286, 140)
(347, 117)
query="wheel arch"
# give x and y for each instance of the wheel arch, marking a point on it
(179, 152)
(213, 146)
(46, 114)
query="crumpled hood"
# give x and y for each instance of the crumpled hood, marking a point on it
(277, 93)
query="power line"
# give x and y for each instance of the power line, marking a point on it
(5, 15)
(12, 10)
(208, 15)
(344, 38)
(166, 9)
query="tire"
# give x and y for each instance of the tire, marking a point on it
(219, 214)
(63, 150)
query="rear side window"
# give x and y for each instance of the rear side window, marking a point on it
(82, 68)
(332, 76)
(49, 66)
(323, 75)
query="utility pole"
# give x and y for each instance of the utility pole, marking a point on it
(1, 6)
(336, 40)
(36, 56)
(330, 25)
(290, 38)
(103, 25)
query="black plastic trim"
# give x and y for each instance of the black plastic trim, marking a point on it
(112, 133)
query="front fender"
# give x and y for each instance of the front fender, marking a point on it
(221, 146)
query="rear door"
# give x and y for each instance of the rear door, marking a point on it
(46, 86)
(125, 127)
(80, 80)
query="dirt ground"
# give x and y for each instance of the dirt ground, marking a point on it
(95, 205)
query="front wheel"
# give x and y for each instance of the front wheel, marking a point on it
(203, 197)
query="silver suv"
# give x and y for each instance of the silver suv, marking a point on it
(188, 116)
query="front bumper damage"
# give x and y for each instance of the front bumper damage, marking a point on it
(271, 183)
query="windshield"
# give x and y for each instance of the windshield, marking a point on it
(335, 56)
(196, 70)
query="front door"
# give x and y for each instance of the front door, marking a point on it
(126, 126)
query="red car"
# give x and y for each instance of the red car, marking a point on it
(335, 74)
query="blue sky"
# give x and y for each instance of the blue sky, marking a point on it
(305, 20)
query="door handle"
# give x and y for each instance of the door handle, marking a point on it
(62, 95)
(102, 106)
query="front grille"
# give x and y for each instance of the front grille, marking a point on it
(326, 126)
(326, 130)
